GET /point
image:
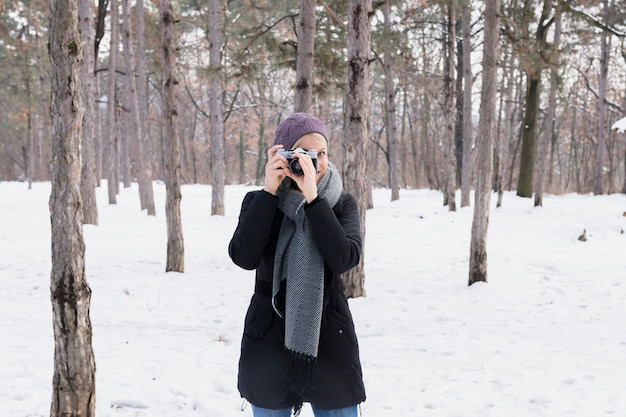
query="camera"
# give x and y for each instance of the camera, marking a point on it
(294, 163)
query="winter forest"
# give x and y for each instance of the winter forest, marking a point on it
(515, 98)
(561, 71)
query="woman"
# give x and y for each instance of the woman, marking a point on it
(300, 233)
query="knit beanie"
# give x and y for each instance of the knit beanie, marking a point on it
(297, 125)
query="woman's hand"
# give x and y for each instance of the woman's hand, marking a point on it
(275, 169)
(307, 183)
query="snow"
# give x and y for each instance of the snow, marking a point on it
(545, 337)
(620, 125)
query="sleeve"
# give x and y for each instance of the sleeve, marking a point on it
(253, 230)
(338, 238)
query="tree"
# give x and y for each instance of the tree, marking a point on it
(304, 59)
(356, 126)
(466, 12)
(215, 109)
(533, 51)
(391, 129)
(175, 245)
(73, 382)
(449, 94)
(110, 144)
(147, 197)
(88, 169)
(137, 134)
(486, 137)
(605, 56)
(549, 122)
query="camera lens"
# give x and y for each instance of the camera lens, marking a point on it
(295, 167)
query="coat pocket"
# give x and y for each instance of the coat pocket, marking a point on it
(259, 319)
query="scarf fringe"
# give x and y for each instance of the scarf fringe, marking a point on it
(301, 374)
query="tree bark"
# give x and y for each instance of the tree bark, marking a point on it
(147, 196)
(466, 185)
(215, 109)
(356, 126)
(175, 246)
(449, 94)
(605, 51)
(392, 131)
(88, 171)
(73, 382)
(110, 146)
(548, 131)
(305, 54)
(486, 136)
(144, 178)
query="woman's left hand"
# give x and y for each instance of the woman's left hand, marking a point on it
(307, 182)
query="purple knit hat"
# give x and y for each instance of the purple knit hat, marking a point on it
(297, 125)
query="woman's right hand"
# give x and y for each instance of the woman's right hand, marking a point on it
(275, 169)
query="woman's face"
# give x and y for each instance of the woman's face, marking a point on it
(309, 142)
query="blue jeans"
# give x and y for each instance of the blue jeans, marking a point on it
(352, 411)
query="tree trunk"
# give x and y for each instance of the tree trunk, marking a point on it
(534, 63)
(175, 247)
(356, 126)
(110, 144)
(486, 135)
(449, 94)
(215, 109)
(548, 131)
(304, 59)
(529, 137)
(605, 45)
(467, 104)
(392, 132)
(144, 181)
(88, 172)
(73, 382)
(147, 196)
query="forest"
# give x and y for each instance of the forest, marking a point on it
(560, 87)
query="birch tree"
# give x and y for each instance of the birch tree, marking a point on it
(485, 141)
(175, 245)
(356, 126)
(73, 381)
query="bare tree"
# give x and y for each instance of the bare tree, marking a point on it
(356, 125)
(175, 245)
(144, 180)
(110, 145)
(533, 60)
(215, 109)
(73, 382)
(449, 94)
(485, 141)
(549, 122)
(304, 59)
(392, 131)
(605, 56)
(88, 173)
(147, 197)
(466, 12)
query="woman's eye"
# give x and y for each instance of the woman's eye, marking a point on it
(321, 153)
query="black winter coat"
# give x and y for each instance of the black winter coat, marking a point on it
(261, 374)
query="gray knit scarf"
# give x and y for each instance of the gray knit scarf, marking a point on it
(299, 262)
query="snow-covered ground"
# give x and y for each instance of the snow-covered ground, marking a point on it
(545, 337)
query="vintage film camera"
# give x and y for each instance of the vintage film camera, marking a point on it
(294, 164)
